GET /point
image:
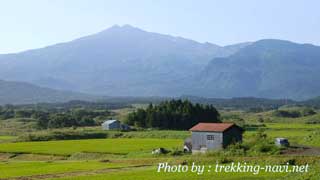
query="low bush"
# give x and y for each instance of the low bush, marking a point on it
(97, 133)
(62, 135)
(287, 114)
(259, 144)
(176, 152)
(313, 121)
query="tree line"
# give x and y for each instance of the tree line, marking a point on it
(57, 118)
(173, 114)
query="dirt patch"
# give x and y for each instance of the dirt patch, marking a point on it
(30, 157)
(37, 157)
(5, 156)
(301, 151)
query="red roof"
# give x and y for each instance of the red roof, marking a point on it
(216, 127)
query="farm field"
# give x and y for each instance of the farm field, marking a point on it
(127, 158)
(139, 169)
(109, 146)
(6, 138)
(17, 169)
(127, 155)
(150, 173)
(297, 133)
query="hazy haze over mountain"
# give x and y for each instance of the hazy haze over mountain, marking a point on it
(118, 61)
(25, 93)
(127, 61)
(266, 68)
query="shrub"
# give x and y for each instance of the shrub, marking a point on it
(308, 112)
(261, 144)
(235, 150)
(61, 135)
(313, 121)
(176, 152)
(287, 114)
(224, 160)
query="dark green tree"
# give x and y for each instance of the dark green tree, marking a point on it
(174, 114)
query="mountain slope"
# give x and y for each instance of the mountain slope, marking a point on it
(25, 93)
(127, 61)
(266, 68)
(124, 61)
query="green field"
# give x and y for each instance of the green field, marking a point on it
(151, 173)
(297, 133)
(127, 155)
(109, 146)
(17, 169)
(6, 138)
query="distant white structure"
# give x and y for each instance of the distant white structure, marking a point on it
(114, 124)
(282, 142)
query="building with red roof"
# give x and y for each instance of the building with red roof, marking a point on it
(210, 136)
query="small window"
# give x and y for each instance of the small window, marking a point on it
(210, 137)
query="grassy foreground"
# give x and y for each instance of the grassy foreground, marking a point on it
(18, 169)
(150, 173)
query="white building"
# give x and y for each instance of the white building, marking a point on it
(114, 124)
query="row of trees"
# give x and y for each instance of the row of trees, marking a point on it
(76, 117)
(174, 114)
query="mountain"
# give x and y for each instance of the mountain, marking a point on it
(266, 68)
(127, 61)
(25, 93)
(119, 61)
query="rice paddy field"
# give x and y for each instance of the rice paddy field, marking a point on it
(131, 158)
(127, 155)
(108, 146)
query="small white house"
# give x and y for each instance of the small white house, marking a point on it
(114, 124)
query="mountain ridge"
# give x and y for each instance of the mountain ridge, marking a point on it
(130, 55)
(128, 61)
(274, 68)
(26, 93)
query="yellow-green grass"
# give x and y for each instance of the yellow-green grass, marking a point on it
(84, 132)
(17, 169)
(16, 126)
(297, 133)
(88, 169)
(270, 118)
(150, 173)
(7, 137)
(292, 126)
(111, 146)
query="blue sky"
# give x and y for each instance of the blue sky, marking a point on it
(37, 23)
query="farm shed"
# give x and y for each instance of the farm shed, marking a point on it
(114, 125)
(209, 136)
